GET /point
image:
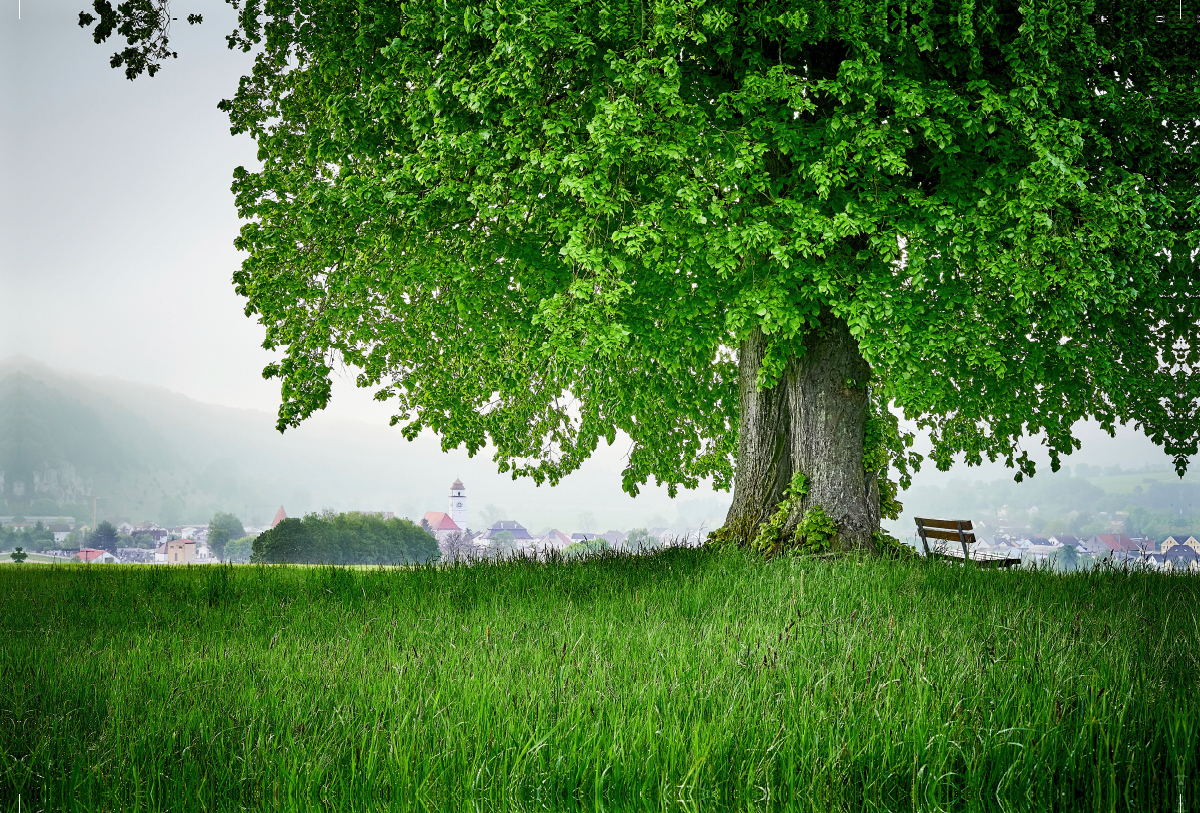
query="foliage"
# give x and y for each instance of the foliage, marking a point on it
(344, 539)
(1068, 557)
(37, 538)
(105, 537)
(221, 529)
(543, 192)
(588, 547)
(18, 555)
(885, 445)
(457, 547)
(793, 684)
(144, 540)
(639, 540)
(575, 550)
(814, 533)
(239, 550)
(891, 547)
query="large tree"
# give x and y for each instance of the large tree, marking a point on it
(735, 232)
(223, 528)
(104, 537)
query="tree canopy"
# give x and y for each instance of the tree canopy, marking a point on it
(345, 539)
(541, 224)
(105, 537)
(222, 529)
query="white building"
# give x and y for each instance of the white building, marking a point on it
(458, 504)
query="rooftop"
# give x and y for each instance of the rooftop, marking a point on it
(512, 526)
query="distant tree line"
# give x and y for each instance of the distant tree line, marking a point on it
(36, 538)
(345, 539)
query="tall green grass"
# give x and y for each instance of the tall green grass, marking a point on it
(682, 680)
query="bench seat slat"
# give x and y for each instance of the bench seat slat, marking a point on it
(951, 524)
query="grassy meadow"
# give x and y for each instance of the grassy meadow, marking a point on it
(687, 679)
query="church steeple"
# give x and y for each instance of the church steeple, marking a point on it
(458, 504)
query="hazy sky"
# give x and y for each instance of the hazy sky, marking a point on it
(116, 240)
(116, 221)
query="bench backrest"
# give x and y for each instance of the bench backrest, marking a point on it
(952, 530)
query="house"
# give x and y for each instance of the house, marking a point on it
(94, 556)
(1181, 557)
(1144, 544)
(615, 539)
(61, 532)
(1094, 546)
(1172, 542)
(664, 536)
(185, 552)
(513, 527)
(584, 537)
(440, 525)
(1000, 545)
(280, 516)
(156, 534)
(1065, 539)
(1107, 543)
(554, 539)
(198, 533)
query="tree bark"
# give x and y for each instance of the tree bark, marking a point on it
(814, 422)
(764, 459)
(828, 404)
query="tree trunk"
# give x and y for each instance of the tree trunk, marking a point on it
(828, 403)
(764, 460)
(813, 422)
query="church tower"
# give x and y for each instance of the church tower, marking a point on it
(458, 504)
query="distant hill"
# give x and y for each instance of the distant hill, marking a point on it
(151, 453)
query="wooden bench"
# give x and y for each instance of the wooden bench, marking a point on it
(960, 531)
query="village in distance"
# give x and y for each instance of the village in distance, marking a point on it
(448, 538)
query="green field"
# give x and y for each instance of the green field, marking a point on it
(687, 680)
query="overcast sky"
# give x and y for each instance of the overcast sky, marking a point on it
(117, 235)
(116, 221)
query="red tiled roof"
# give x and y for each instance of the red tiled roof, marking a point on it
(90, 554)
(280, 516)
(440, 521)
(1116, 542)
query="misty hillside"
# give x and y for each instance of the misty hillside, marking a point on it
(155, 454)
